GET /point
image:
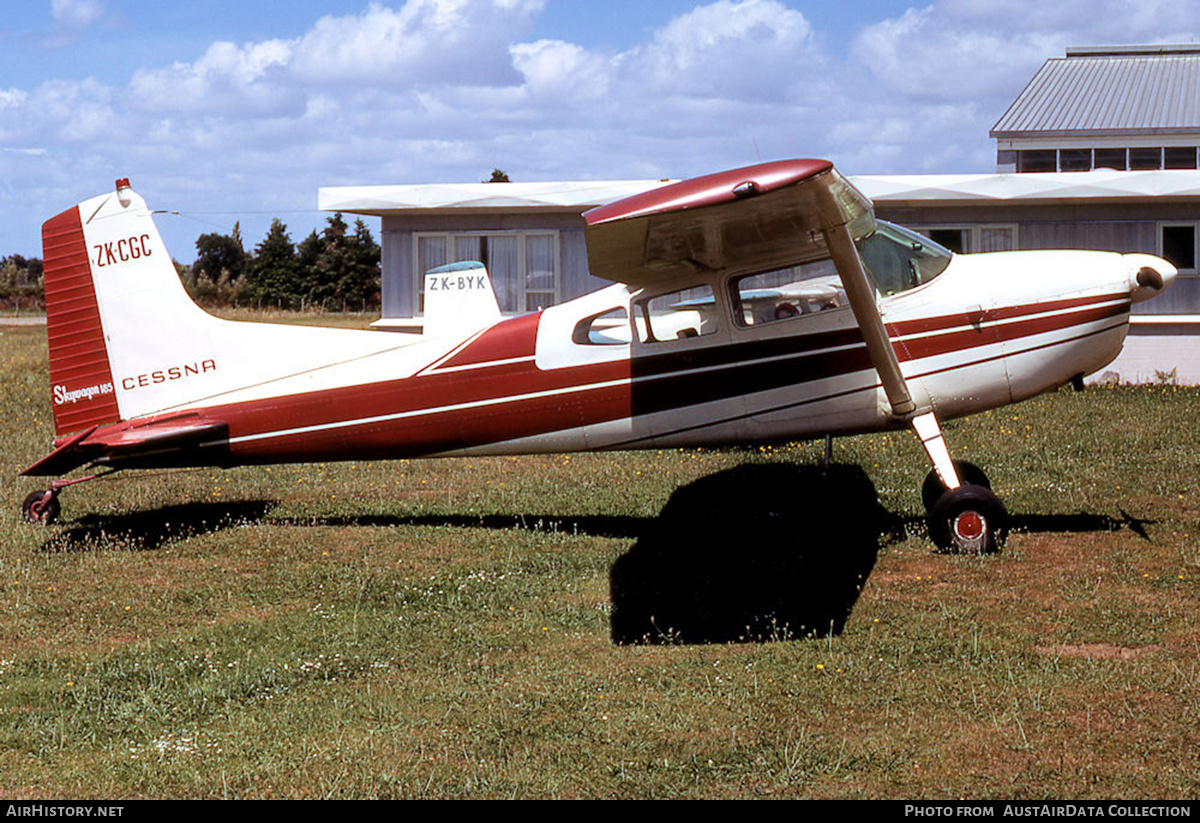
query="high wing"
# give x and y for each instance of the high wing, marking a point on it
(751, 219)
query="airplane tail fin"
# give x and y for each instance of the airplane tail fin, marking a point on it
(459, 300)
(127, 341)
(115, 310)
(83, 389)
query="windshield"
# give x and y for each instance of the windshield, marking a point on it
(899, 259)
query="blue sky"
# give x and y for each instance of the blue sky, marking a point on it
(238, 111)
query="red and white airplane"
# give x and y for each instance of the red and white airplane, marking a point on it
(754, 305)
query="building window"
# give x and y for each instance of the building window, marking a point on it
(1142, 159)
(958, 240)
(1177, 245)
(1179, 157)
(524, 266)
(1037, 160)
(1075, 159)
(970, 239)
(1111, 159)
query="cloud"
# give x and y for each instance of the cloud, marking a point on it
(947, 71)
(424, 43)
(75, 15)
(555, 69)
(964, 49)
(436, 42)
(444, 90)
(749, 49)
(12, 98)
(228, 79)
(71, 18)
(927, 54)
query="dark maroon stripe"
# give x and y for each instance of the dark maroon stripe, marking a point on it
(506, 340)
(709, 190)
(948, 321)
(919, 348)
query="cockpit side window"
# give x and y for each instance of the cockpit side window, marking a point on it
(898, 259)
(782, 294)
(677, 315)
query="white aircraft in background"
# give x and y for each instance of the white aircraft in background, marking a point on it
(755, 305)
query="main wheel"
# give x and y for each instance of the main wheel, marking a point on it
(38, 509)
(968, 474)
(968, 520)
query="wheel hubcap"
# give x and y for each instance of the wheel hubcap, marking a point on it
(968, 529)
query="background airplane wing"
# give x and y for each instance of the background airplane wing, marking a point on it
(750, 219)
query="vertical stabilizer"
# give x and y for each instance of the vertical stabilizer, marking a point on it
(459, 300)
(126, 340)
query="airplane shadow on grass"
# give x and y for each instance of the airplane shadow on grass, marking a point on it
(149, 530)
(754, 553)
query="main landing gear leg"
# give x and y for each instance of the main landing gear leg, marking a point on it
(963, 513)
(966, 516)
(43, 507)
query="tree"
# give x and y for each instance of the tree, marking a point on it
(307, 254)
(345, 270)
(498, 176)
(220, 260)
(272, 275)
(21, 281)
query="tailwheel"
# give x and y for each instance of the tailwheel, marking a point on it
(41, 507)
(968, 520)
(968, 473)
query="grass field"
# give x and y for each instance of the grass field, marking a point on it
(442, 628)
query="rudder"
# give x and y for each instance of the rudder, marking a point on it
(82, 391)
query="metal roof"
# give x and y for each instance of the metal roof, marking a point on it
(964, 189)
(572, 196)
(1108, 90)
(1050, 187)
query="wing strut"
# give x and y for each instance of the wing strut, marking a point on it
(861, 294)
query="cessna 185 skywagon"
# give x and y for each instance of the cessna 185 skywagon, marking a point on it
(754, 305)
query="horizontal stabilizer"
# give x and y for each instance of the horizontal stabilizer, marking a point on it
(130, 446)
(64, 458)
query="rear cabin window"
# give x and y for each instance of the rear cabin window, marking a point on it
(610, 328)
(782, 294)
(677, 315)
